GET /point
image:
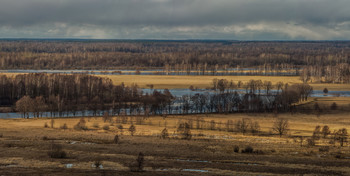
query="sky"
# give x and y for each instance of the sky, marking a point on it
(176, 19)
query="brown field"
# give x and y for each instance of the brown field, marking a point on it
(25, 143)
(184, 82)
(170, 82)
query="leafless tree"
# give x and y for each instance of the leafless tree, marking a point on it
(281, 126)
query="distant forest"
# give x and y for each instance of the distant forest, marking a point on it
(314, 61)
(96, 54)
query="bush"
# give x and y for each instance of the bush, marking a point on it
(132, 129)
(236, 149)
(324, 149)
(45, 138)
(96, 125)
(334, 106)
(46, 125)
(259, 152)
(81, 125)
(184, 131)
(106, 127)
(248, 149)
(98, 164)
(325, 90)
(310, 142)
(116, 139)
(64, 126)
(1, 135)
(164, 134)
(52, 122)
(56, 151)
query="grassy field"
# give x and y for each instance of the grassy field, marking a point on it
(184, 82)
(170, 82)
(25, 143)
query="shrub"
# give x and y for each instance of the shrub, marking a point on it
(325, 131)
(334, 106)
(1, 135)
(64, 126)
(259, 152)
(132, 129)
(184, 131)
(98, 164)
(45, 138)
(324, 149)
(96, 125)
(116, 139)
(236, 149)
(164, 134)
(52, 122)
(106, 127)
(81, 125)
(56, 151)
(120, 127)
(310, 142)
(325, 90)
(248, 149)
(140, 162)
(106, 117)
(46, 125)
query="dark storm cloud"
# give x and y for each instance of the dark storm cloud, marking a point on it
(232, 19)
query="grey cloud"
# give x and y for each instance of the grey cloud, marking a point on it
(176, 19)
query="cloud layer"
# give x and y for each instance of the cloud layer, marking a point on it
(176, 19)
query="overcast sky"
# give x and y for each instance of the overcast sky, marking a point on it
(176, 19)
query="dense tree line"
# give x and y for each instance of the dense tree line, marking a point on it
(256, 98)
(339, 73)
(178, 57)
(62, 94)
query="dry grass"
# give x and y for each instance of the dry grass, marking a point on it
(184, 82)
(171, 82)
(23, 149)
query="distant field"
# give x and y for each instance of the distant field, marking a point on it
(171, 82)
(184, 82)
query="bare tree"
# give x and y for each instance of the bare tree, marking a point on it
(184, 131)
(254, 127)
(341, 135)
(24, 105)
(242, 125)
(132, 129)
(281, 126)
(325, 131)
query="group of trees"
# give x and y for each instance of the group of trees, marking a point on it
(68, 94)
(61, 94)
(257, 97)
(176, 57)
(339, 73)
(340, 135)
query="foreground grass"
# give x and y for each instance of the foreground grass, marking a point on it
(25, 144)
